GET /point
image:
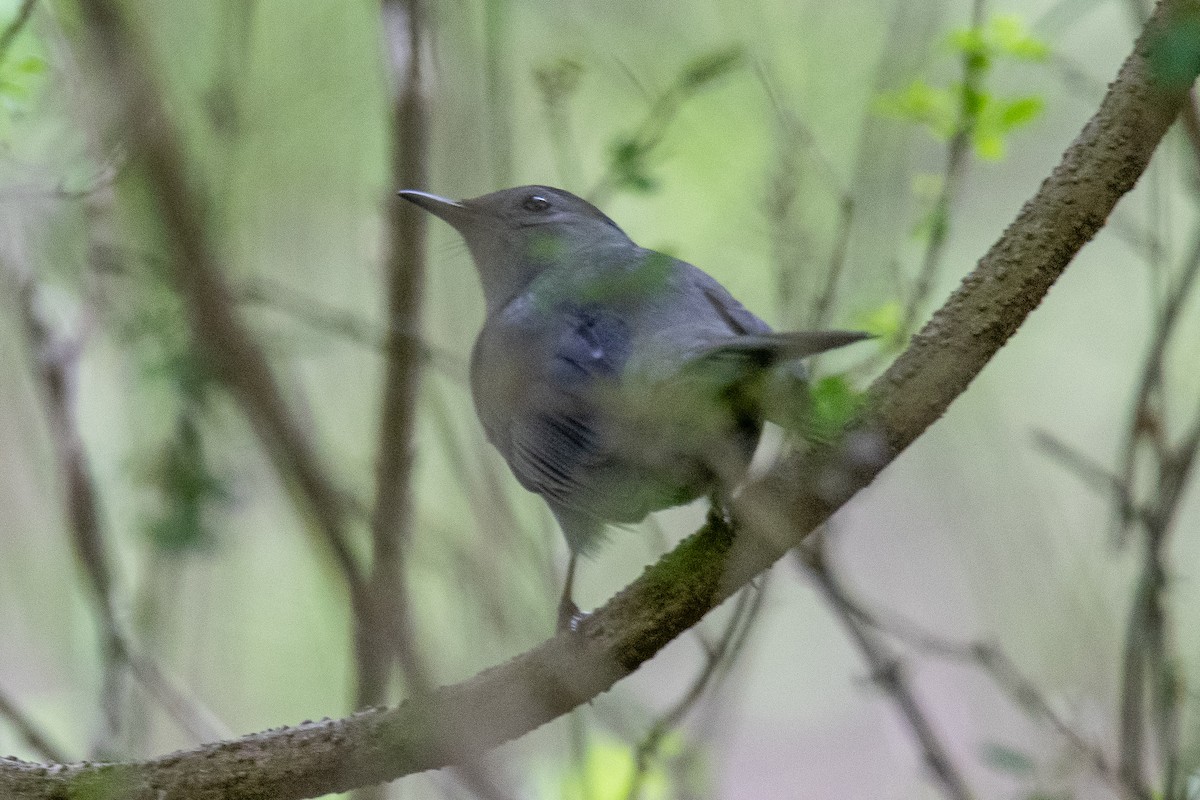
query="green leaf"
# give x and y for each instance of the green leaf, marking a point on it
(605, 774)
(1003, 35)
(884, 322)
(629, 165)
(988, 144)
(711, 66)
(1008, 36)
(920, 103)
(968, 41)
(833, 402)
(1007, 759)
(30, 65)
(1021, 111)
(187, 489)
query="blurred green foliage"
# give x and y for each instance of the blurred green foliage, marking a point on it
(22, 74)
(966, 105)
(629, 155)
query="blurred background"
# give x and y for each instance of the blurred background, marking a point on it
(834, 164)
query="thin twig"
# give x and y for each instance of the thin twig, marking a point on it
(1148, 659)
(953, 175)
(888, 672)
(717, 658)
(54, 362)
(1023, 691)
(29, 730)
(235, 357)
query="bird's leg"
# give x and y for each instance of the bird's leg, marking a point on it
(720, 511)
(569, 615)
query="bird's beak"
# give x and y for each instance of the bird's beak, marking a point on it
(451, 211)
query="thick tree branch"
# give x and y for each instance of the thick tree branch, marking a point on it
(510, 700)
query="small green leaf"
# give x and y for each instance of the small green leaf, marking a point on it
(30, 65)
(629, 165)
(920, 103)
(1021, 111)
(883, 321)
(605, 774)
(833, 402)
(1007, 759)
(1009, 36)
(711, 66)
(968, 41)
(988, 144)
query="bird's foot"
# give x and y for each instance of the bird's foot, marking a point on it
(569, 617)
(720, 513)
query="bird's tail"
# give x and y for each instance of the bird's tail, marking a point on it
(769, 349)
(758, 376)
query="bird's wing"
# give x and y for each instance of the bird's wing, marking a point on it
(557, 438)
(736, 316)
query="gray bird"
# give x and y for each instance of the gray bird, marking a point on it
(614, 380)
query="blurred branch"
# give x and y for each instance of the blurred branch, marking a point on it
(498, 92)
(794, 141)
(887, 671)
(627, 166)
(319, 315)
(28, 730)
(507, 701)
(387, 631)
(557, 83)
(54, 361)
(14, 28)
(236, 359)
(974, 68)
(1149, 670)
(1149, 659)
(717, 657)
(1023, 692)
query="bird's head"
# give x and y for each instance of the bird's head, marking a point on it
(515, 234)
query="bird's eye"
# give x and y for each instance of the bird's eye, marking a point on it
(535, 202)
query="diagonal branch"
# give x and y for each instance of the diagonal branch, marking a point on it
(230, 349)
(507, 701)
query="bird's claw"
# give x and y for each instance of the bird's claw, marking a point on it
(569, 617)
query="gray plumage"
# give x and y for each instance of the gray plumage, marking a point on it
(614, 380)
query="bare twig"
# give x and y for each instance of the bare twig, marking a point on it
(887, 671)
(1023, 691)
(1148, 656)
(28, 730)
(717, 658)
(957, 152)
(54, 363)
(235, 357)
